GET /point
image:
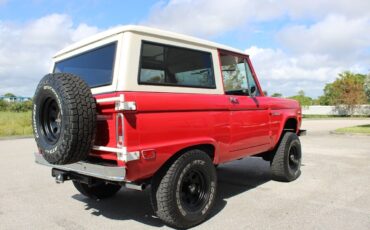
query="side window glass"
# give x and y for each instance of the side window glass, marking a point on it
(237, 75)
(252, 82)
(174, 66)
(234, 75)
(94, 66)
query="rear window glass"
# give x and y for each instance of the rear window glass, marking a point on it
(174, 66)
(95, 66)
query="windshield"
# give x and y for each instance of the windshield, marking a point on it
(95, 67)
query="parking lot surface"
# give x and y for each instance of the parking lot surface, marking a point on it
(333, 191)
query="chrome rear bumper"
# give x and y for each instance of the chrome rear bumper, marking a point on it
(106, 172)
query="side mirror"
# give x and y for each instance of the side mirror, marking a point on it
(253, 91)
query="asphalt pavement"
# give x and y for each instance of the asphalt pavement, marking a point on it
(333, 191)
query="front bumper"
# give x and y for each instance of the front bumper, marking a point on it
(106, 172)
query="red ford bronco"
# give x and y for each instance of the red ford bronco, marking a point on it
(136, 106)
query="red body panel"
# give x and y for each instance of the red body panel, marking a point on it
(168, 123)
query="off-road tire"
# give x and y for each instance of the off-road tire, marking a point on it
(166, 197)
(281, 165)
(64, 102)
(99, 190)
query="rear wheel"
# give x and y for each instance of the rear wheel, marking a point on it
(286, 163)
(98, 190)
(184, 195)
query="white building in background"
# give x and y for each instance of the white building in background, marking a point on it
(362, 110)
(14, 99)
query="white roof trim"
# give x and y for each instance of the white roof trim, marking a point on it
(145, 30)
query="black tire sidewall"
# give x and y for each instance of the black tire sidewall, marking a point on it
(211, 182)
(292, 140)
(45, 90)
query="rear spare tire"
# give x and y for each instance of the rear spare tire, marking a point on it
(63, 118)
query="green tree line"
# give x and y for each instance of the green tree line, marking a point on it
(348, 89)
(15, 106)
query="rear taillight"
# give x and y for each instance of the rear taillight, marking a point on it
(120, 130)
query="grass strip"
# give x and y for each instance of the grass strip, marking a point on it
(15, 124)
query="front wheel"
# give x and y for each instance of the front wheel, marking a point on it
(286, 163)
(183, 195)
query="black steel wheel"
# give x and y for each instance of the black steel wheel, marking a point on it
(294, 157)
(183, 194)
(51, 121)
(286, 163)
(193, 190)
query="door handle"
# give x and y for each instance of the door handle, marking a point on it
(234, 100)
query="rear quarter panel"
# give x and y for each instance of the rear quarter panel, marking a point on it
(169, 122)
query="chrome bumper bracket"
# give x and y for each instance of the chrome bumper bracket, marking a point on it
(302, 132)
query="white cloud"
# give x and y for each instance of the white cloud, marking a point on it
(206, 17)
(335, 35)
(314, 55)
(320, 9)
(214, 17)
(26, 50)
(287, 73)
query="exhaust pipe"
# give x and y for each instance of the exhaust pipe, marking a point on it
(139, 187)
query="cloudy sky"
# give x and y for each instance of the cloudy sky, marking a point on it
(293, 44)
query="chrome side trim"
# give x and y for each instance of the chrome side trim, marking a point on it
(120, 103)
(111, 173)
(275, 114)
(110, 99)
(122, 153)
(109, 149)
(125, 105)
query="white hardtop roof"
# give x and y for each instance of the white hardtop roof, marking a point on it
(145, 30)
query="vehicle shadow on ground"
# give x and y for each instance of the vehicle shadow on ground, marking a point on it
(233, 178)
(239, 176)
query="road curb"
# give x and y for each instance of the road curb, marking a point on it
(15, 137)
(349, 134)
